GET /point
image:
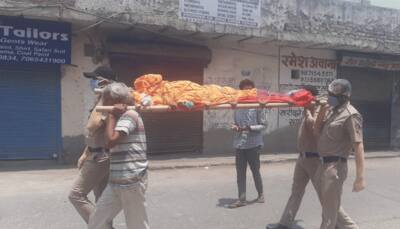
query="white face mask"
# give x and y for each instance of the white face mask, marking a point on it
(94, 83)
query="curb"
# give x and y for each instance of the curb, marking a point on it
(176, 165)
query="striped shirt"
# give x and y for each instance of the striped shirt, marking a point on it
(128, 165)
(256, 120)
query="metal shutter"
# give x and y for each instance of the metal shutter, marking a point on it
(30, 122)
(166, 132)
(372, 98)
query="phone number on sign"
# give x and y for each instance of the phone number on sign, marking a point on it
(8, 58)
(42, 60)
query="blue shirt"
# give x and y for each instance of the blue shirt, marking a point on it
(256, 120)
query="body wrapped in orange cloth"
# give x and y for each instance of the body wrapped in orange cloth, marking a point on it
(181, 93)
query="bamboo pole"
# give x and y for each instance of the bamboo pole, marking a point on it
(163, 108)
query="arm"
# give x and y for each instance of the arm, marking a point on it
(261, 120)
(83, 157)
(319, 122)
(112, 136)
(359, 183)
(354, 128)
(96, 120)
(235, 126)
(309, 119)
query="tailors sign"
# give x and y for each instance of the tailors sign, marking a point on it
(34, 41)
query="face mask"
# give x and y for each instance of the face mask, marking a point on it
(333, 101)
(94, 84)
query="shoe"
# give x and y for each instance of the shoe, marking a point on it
(237, 204)
(260, 199)
(277, 226)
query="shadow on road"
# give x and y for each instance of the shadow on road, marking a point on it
(225, 202)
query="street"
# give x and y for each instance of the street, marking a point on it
(194, 198)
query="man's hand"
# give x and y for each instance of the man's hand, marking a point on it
(119, 109)
(359, 185)
(238, 128)
(235, 128)
(83, 157)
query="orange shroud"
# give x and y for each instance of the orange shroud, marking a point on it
(176, 93)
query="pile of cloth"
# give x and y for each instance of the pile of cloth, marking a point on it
(151, 89)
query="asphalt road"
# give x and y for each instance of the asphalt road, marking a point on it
(195, 198)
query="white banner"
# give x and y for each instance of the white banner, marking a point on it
(245, 13)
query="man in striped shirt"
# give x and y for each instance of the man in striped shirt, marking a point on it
(126, 140)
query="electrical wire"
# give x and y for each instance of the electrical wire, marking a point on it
(108, 19)
(99, 22)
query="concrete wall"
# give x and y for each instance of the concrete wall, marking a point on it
(230, 64)
(314, 23)
(77, 97)
(334, 22)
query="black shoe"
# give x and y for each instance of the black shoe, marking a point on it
(277, 226)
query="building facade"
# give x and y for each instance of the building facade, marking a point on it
(280, 45)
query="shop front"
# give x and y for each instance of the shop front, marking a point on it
(31, 52)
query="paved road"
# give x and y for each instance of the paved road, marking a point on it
(195, 198)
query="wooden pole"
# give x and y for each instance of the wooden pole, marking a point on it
(163, 108)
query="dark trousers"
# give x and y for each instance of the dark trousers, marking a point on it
(252, 157)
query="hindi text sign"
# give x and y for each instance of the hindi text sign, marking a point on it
(245, 13)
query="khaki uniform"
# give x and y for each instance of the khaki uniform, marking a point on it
(304, 170)
(93, 175)
(342, 128)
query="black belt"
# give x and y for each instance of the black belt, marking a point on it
(309, 154)
(96, 150)
(330, 159)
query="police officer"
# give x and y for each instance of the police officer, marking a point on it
(94, 162)
(306, 164)
(339, 126)
(306, 168)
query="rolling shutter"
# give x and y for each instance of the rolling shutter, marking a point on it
(30, 122)
(166, 132)
(371, 96)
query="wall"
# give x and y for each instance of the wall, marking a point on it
(77, 98)
(314, 23)
(299, 67)
(232, 63)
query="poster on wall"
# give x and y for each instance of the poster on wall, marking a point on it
(244, 13)
(300, 67)
(26, 41)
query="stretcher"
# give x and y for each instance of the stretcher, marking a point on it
(153, 94)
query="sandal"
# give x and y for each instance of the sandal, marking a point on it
(237, 204)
